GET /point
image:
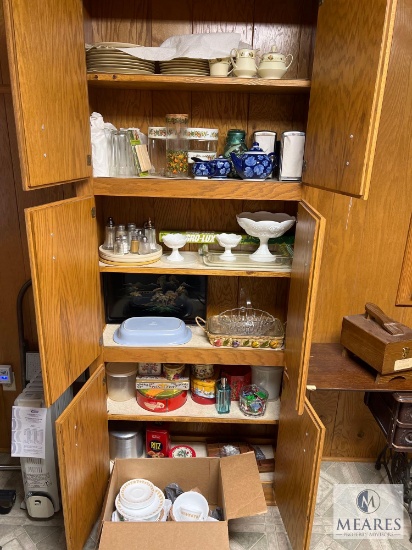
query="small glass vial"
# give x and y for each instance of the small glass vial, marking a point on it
(150, 233)
(118, 247)
(131, 228)
(123, 240)
(222, 394)
(120, 230)
(176, 146)
(110, 235)
(134, 245)
(156, 145)
(144, 246)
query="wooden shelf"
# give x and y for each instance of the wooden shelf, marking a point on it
(198, 350)
(198, 83)
(190, 188)
(191, 412)
(330, 370)
(195, 267)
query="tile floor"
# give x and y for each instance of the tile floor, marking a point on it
(19, 532)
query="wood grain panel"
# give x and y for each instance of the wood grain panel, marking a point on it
(404, 295)
(184, 188)
(302, 298)
(343, 264)
(83, 450)
(356, 434)
(121, 21)
(168, 22)
(66, 282)
(54, 69)
(222, 111)
(297, 466)
(279, 24)
(349, 73)
(278, 113)
(123, 108)
(228, 16)
(170, 102)
(325, 403)
(197, 83)
(4, 65)
(222, 294)
(269, 295)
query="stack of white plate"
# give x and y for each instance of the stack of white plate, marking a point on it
(140, 500)
(185, 66)
(105, 57)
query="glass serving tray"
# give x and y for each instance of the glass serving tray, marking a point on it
(282, 253)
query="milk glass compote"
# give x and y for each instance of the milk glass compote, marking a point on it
(175, 241)
(264, 225)
(228, 241)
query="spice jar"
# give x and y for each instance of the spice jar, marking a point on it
(156, 145)
(176, 146)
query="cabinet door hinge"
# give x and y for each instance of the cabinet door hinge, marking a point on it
(320, 2)
(93, 212)
(89, 160)
(304, 165)
(101, 341)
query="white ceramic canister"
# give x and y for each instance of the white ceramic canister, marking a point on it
(269, 378)
(121, 381)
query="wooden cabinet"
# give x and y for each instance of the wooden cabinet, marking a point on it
(52, 106)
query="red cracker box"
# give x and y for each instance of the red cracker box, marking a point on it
(157, 440)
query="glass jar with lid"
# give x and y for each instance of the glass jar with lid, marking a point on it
(202, 139)
(176, 145)
(156, 144)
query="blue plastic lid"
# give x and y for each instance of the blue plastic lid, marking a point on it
(152, 331)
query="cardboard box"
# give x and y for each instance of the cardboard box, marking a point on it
(232, 483)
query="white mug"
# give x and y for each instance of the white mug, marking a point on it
(220, 67)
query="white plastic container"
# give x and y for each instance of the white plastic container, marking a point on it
(269, 378)
(121, 381)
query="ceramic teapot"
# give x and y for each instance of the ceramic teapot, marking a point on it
(253, 164)
(244, 62)
(273, 65)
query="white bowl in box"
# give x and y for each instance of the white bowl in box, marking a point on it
(152, 331)
(190, 506)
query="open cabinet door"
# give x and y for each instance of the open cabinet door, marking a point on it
(66, 285)
(83, 451)
(353, 43)
(45, 45)
(298, 457)
(309, 235)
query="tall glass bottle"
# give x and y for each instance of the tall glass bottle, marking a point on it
(176, 146)
(110, 235)
(222, 394)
